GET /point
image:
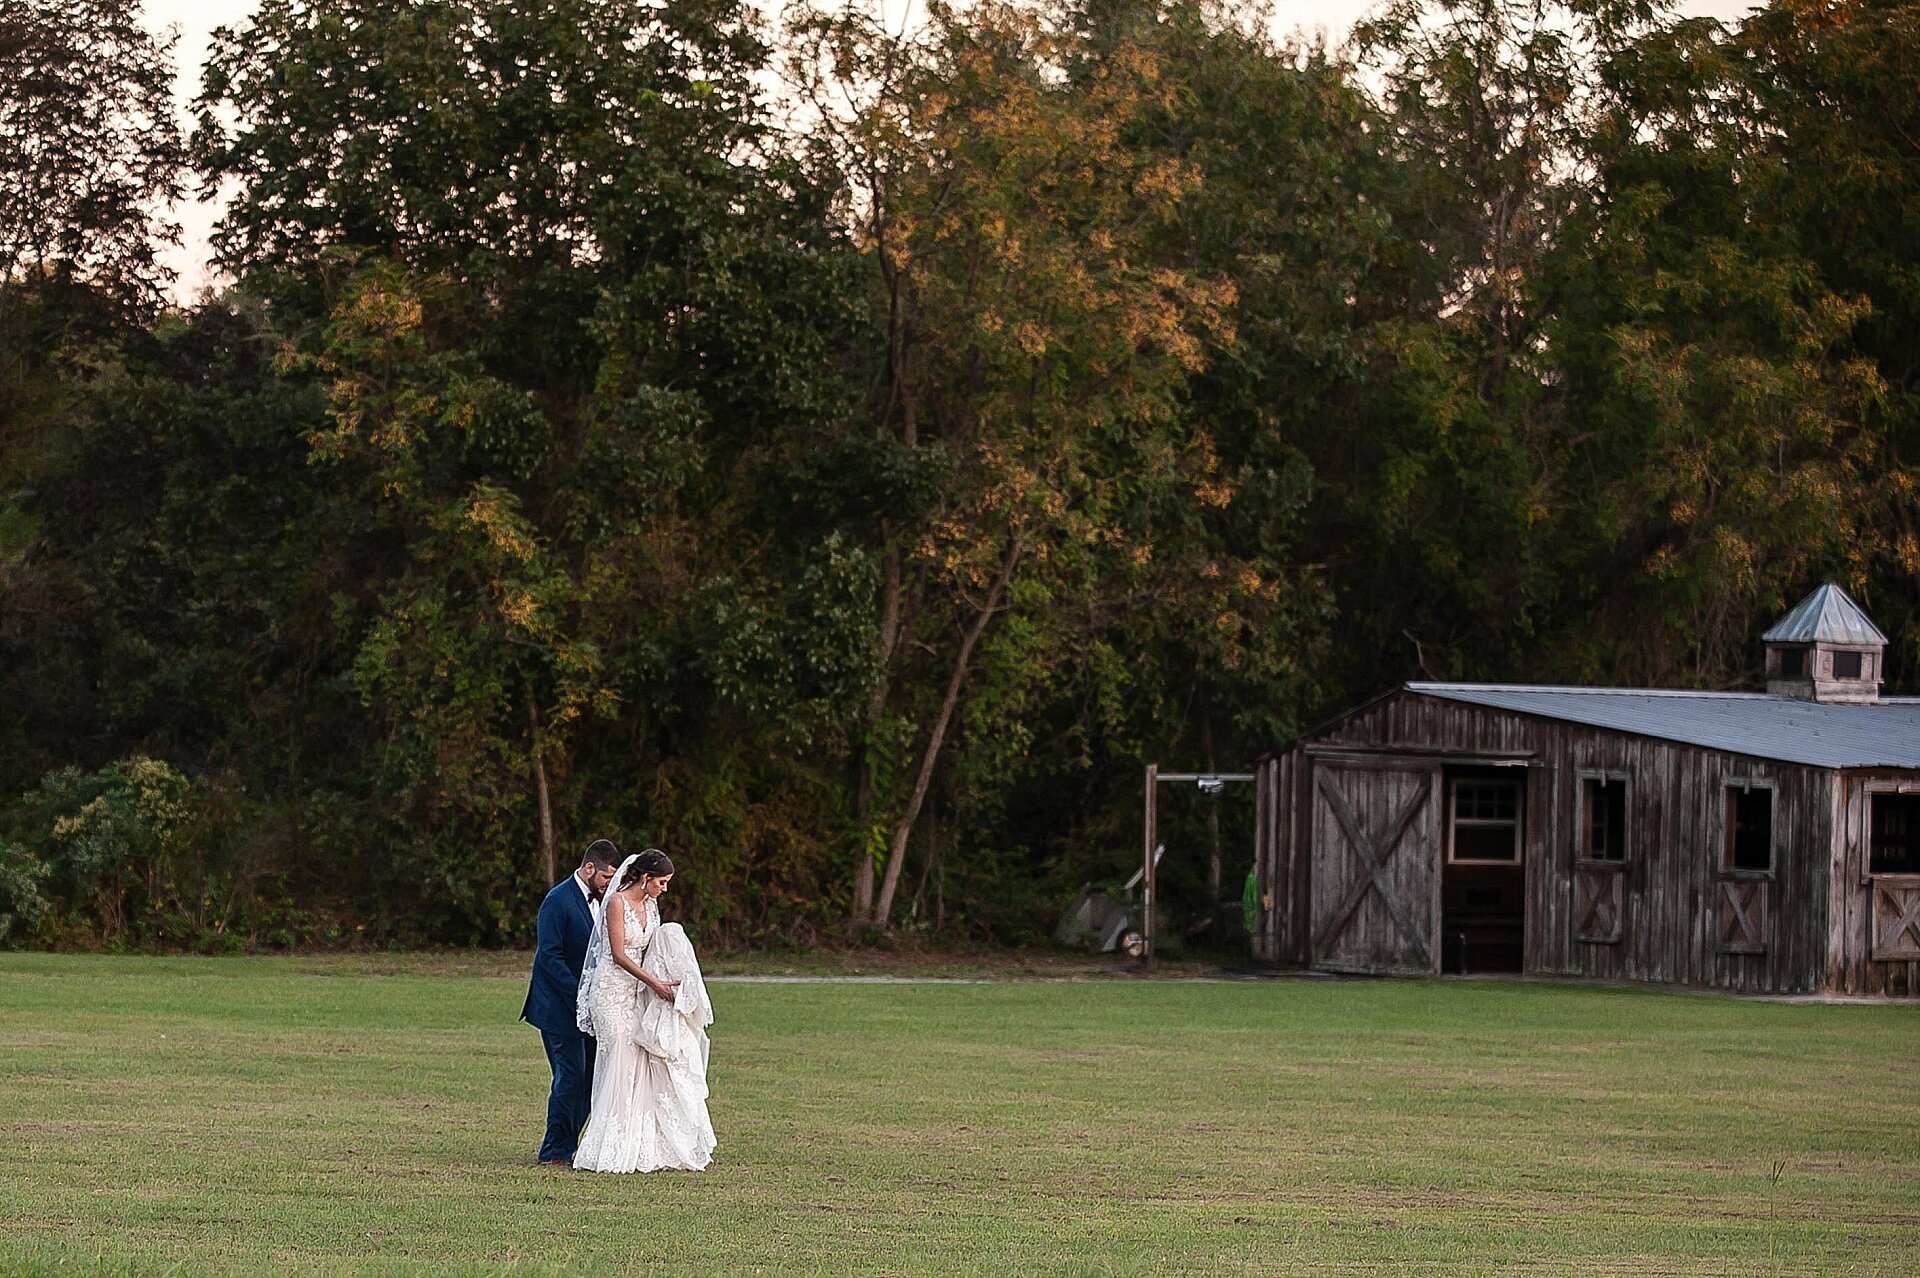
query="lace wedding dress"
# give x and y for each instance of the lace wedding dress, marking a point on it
(649, 1107)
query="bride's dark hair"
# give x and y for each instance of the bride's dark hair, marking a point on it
(651, 862)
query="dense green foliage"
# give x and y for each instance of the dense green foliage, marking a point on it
(850, 488)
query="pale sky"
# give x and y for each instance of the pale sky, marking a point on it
(196, 20)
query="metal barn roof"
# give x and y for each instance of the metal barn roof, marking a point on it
(1786, 729)
(1828, 615)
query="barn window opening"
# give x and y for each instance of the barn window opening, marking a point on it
(1486, 821)
(1604, 803)
(1846, 665)
(1896, 834)
(1749, 828)
(1793, 662)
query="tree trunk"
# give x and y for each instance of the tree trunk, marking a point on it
(940, 896)
(900, 402)
(862, 868)
(890, 589)
(540, 790)
(903, 828)
(899, 409)
(916, 909)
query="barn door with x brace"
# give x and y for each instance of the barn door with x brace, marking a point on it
(1376, 839)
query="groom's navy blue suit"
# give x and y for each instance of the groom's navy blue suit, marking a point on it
(564, 928)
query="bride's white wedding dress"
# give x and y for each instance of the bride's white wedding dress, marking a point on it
(649, 1108)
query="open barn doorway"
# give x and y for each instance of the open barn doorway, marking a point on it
(1483, 876)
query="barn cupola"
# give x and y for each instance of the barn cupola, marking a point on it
(1826, 649)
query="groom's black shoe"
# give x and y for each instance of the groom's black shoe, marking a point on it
(557, 1162)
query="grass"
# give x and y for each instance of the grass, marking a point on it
(379, 1116)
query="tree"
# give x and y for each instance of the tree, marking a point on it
(581, 328)
(1034, 346)
(90, 158)
(1435, 492)
(90, 153)
(1834, 87)
(1724, 440)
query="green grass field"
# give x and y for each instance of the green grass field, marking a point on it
(380, 1116)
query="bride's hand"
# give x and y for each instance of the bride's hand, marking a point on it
(665, 989)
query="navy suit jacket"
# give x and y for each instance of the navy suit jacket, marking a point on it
(564, 928)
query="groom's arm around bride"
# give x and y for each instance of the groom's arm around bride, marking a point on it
(564, 928)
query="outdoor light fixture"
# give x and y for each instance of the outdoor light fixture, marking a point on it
(1210, 785)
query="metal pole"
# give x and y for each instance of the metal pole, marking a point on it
(1153, 830)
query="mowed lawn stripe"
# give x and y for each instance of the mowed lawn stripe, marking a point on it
(274, 1114)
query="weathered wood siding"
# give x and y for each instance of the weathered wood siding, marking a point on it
(1277, 937)
(1280, 859)
(1852, 920)
(1677, 905)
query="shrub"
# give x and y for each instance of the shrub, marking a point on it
(113, 856)
(22, 904)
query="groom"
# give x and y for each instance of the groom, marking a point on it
(564, 928)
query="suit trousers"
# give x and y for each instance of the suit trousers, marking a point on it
(571, 1056)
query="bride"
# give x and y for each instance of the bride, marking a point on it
(642, 999)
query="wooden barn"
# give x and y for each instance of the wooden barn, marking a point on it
(1751, 842)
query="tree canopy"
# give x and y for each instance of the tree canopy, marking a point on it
(844, 455)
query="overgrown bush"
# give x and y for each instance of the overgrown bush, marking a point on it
(22, 904)
(135, 854)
